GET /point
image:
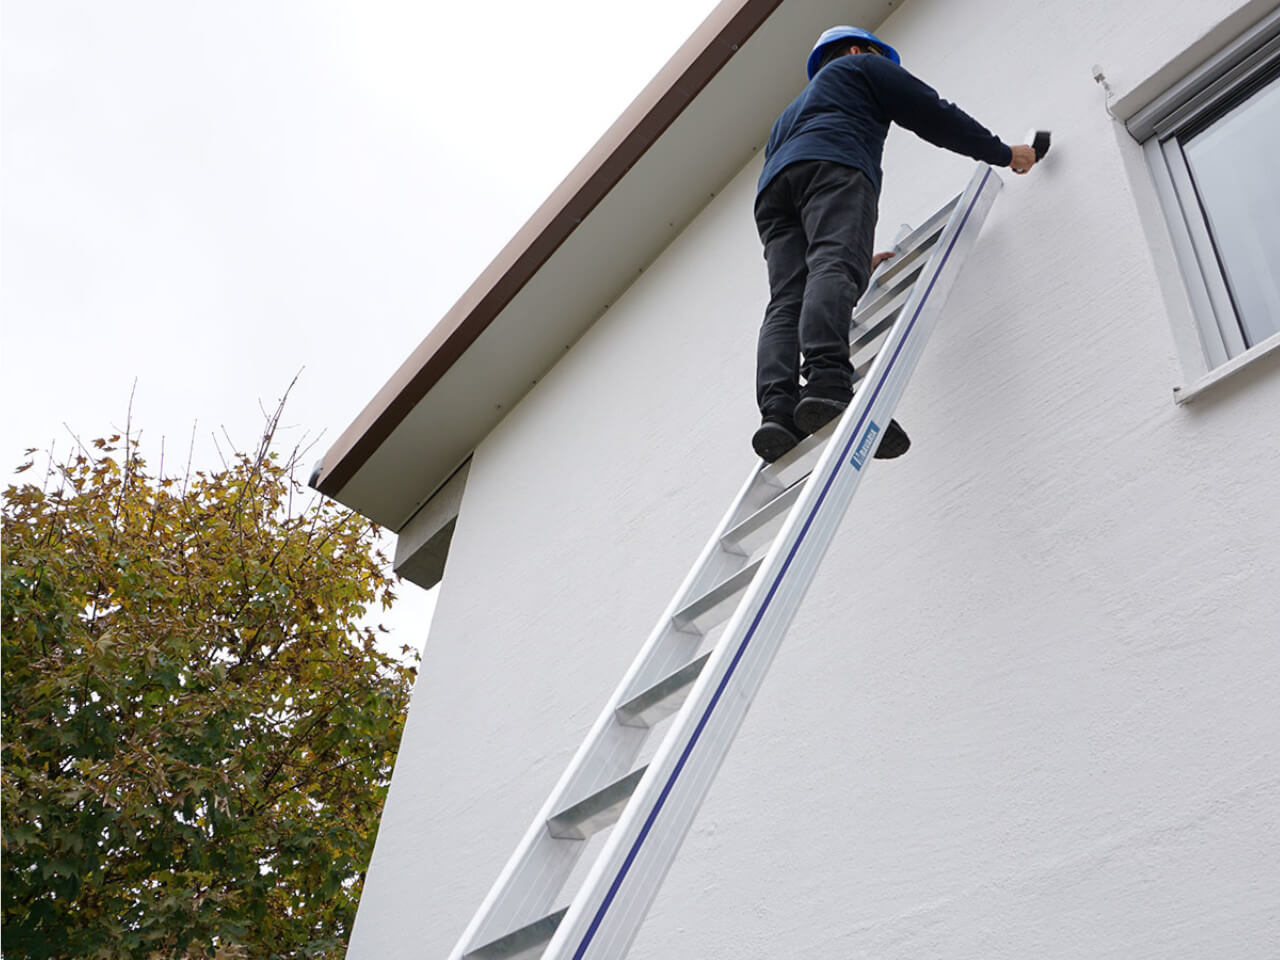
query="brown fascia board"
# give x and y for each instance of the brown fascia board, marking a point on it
(692, 67)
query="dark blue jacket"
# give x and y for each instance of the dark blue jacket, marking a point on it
(844, 113)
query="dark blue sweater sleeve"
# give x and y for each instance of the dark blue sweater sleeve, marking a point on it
(911, 103)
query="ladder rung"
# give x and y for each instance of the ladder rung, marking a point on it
(703, 613)
(922, 236)
(523, 944)
(596, 812)
(663, 698)
(865, 333)
(793, 465)
(739, 536)
(865, 355)
(920, 249)
(885, 298)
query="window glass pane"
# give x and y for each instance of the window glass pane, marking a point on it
(1235, 163)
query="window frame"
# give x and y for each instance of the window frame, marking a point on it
(1225, 80)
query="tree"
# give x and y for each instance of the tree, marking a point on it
(198, 728)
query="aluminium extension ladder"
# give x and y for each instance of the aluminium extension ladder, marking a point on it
(748, 580)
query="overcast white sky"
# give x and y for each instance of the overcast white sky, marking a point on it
(209, 196)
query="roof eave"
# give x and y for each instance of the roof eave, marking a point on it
(721, 37)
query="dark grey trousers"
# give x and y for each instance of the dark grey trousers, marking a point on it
(817, 221)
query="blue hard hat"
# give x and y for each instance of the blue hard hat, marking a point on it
(852, 34)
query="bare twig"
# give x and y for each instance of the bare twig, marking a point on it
(48, 470)
(268, 434)
(155, 501)
(127, 472)
(191, 449)
(218, 448)
(76, 437)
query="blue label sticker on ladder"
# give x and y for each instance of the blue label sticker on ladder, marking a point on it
(865, 447)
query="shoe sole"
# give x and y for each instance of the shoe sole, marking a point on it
(894, 443)
(772, 440)
(814, 413)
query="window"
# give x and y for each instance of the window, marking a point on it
(1213, 145)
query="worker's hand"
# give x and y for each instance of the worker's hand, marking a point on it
(880, 258)
(1024, 158)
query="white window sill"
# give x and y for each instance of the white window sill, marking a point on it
(1186, 394)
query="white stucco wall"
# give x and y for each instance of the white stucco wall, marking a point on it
(1030, 705)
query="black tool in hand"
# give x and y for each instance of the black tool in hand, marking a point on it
(1039, 140)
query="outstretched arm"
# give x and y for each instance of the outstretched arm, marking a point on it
(914, 104)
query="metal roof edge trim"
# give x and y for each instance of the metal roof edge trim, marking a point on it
(639, 127)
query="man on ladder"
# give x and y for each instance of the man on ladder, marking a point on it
(816, 209)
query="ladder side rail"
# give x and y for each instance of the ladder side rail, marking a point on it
(500, 911)
(606, 914)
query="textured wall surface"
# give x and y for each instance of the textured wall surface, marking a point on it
(1029, 706)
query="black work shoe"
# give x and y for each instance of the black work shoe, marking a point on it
(774, 438)
(814, 413)
(894, 443)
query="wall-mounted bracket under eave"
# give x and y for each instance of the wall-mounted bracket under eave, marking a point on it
(423, 543)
